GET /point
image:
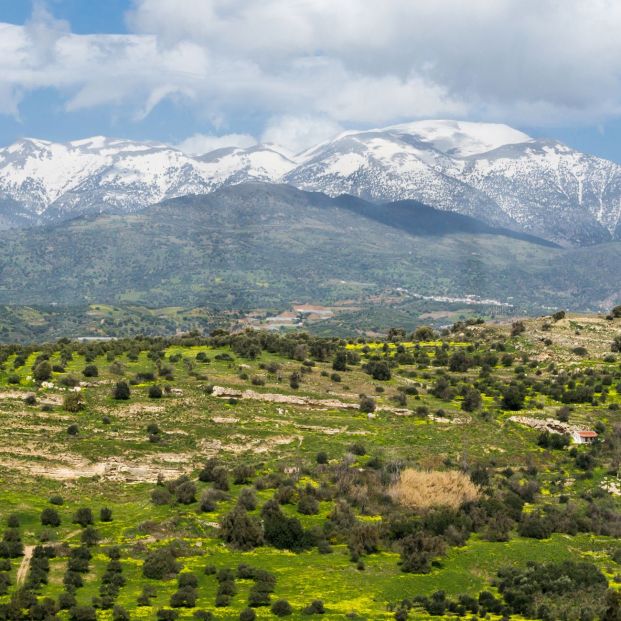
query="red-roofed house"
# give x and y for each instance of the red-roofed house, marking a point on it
(584, 436)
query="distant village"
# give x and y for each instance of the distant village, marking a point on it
(299, 316)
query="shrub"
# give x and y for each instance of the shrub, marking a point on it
(73, 402)
(422, 490)
(155, 392)
(367, 404)
(316, 607)
(281, 608)
(418, 551)
(285, 533)
(83, 613)
(73, 429)
(161, 496)
(248, 499)
(120, 614)
(242, 474)
(90, 536)
(121, 391)
(105, 514)
(358, 449)
(90, 371)
(50, 517)
(308, 505)
(185, 493)
(322, 457)
(160, 564)
(42, 372)
(247, 614)
(83, 516)
(240, 530)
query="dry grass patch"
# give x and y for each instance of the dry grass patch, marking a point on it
(418, 489)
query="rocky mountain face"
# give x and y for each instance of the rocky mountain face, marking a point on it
(42, 182)
(489, 171)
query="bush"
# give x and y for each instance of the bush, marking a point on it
(73, 402)
(83, 613)
(281, 608)
(50, 517)
(243, 474)
(248, 499)
(316, 607)
(56, 500)
(161, 496)
(308, 505)
(280, 531)
(105, 514)
(367, 404)
(418, 551)
(83, 516)
(42, 372)
(90, 536)
(185, 493)
(155, 392)
(121, 391)
(90, 371)
(120, 614)
(247, 615)
(160, 564)
(358, 449)
(423, 490)
(322, 457)
(240, 530)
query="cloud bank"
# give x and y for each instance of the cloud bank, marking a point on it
(300, 68)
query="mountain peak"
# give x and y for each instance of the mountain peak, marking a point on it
(462, 138)
(490, 171)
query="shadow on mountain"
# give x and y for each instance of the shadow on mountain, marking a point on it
(418, 219)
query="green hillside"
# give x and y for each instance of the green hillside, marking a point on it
(266, 246)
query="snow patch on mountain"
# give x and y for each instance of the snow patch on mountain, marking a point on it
(486, 170)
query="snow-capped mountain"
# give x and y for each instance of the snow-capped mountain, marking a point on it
(42, 181)
(486, 170)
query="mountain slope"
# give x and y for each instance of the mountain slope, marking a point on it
(488, 171)
(46, 182)
(485, 170)
(260, 245)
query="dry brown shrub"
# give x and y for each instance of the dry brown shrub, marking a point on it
(419, 489)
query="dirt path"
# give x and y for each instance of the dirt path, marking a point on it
(22, 572)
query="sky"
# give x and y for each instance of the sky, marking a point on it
(201, 74)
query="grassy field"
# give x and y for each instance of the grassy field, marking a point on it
(107, 455)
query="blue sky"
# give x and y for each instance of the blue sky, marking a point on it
(208, 73)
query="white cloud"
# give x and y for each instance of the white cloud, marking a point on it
(199, 144)
(296, 133)
(305, 65)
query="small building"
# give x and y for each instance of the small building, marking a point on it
(584, 436)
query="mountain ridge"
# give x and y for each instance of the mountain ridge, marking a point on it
(263, 245)
(489, 171)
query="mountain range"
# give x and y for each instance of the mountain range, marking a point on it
(263, 245)
(490, 172)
